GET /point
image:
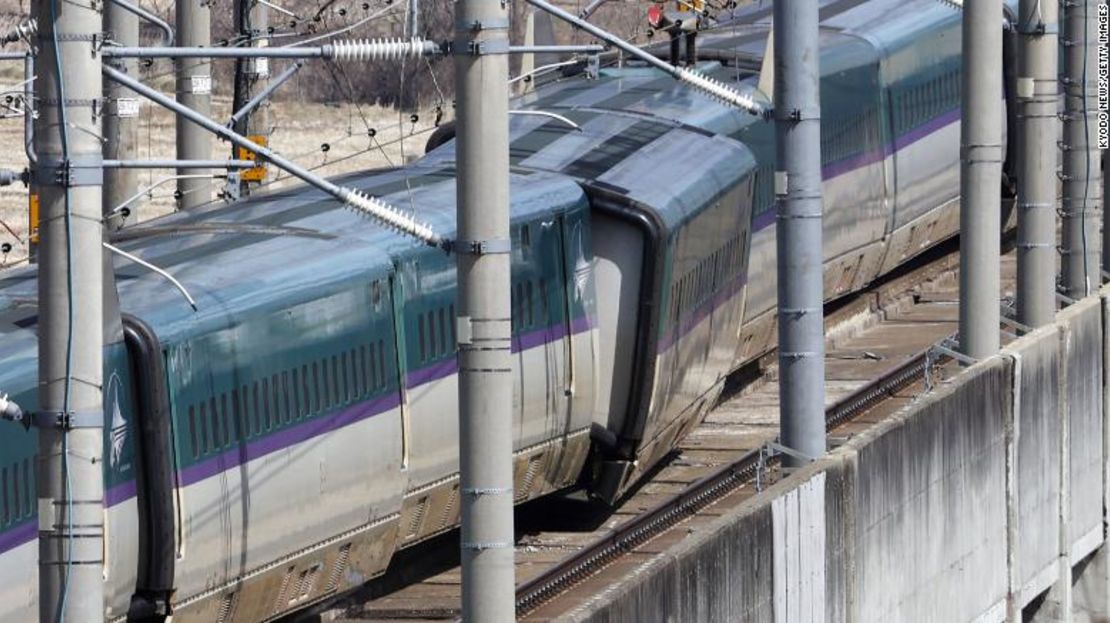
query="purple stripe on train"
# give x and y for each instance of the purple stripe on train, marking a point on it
(847, 165)
(280, 440)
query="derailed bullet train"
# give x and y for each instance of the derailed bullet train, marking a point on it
(279, 444)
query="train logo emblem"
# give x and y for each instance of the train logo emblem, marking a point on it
(119, 425)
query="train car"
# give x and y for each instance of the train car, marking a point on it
(279, 443)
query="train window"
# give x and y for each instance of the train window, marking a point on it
(433, 352)
(217, 441)
(237, 413)
(265, 404)
(451, 324)
(226, 417)
(355, 384)
(344, 382)
(366, 381)
(420, 331)
(316, 386)
(306, 405)
(7, 511)
(371, 368)
(16, 506)
(381, 363)
(545, 316)
(202, 417)
(525, 236)
(325, 386)
(257, 409)
(443, 347)
(376, 294)
(335, 381)
(288, 411)
(528, 298)
(276, 388)
(193, 431)
(27, 475)
(295, 391)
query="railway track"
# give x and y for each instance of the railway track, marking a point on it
(568, 548)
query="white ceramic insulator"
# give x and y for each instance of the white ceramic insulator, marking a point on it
(386, 49)
(391, 216)
(719, 90)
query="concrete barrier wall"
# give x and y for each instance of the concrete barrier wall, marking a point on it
(949, 510)
(1082, 330)
(1038, 459)
(931, 507)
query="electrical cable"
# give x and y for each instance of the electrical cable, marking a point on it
(340, 31)
(68, 220)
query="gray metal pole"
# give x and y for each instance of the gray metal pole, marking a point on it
(194, 88)
(485, 363)
(1037, 131)
(412, 28)
(70, 485)
(1079, 210)
(981, 178)
(251, 75)
(798, 233)
(121, 130)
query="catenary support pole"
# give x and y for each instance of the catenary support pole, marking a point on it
(1037, 131)
(251, 75)
(121, 108)
(485, 363)
(194, 89)
(1080, 206)
(70, 485)
(798, 232)
(412, 27)
(981, 178)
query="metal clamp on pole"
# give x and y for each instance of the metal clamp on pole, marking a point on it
(64, 420)
(481, 247)
(78, 170)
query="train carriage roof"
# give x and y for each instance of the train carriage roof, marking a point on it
(274, 250)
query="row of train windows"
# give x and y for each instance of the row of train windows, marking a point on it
(287, 396)
(708, 277)
(530, 304)
(17, 481)
(436, 331)
(917, 105)
(851, 136)
(763, 194)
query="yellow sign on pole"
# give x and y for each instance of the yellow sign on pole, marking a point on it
(258, 173)
(33, 217)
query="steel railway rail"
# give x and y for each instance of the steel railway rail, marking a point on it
(923, 292)
(701, 494)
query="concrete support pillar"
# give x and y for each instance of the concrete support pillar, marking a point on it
(70, 479)
(251, 75)
(798, 229)
(1037, 129)
(121, 109)
(1081, 204)
(194, 89)
(485, 338)
(981, 178)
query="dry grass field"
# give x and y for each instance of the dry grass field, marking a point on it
(299, 130)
